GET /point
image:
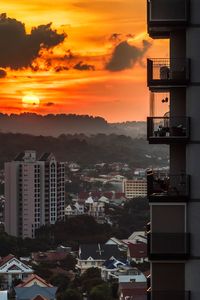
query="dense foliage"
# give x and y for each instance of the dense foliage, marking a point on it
(86, 150)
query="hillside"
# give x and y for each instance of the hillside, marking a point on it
(86, 150)
(56, 125)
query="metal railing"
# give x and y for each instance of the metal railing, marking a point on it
(168, 69)
(170, 185)
(168, 127)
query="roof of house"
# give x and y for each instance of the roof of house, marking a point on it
(10, 263)
(49, 256)
(114, 263)
(33, 277)
(97, 195)
(138, 250)
(24, 293)
(99, 251)
(5, 259)
(137, 290)
(135, 234)
(45, 156)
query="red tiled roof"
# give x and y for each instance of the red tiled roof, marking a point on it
(31, 278)
(83, 195)
(5, 259)
(49, 256)
(39, 297)
(119, 195)
(138, 290)
(109, 195)
(138, 250)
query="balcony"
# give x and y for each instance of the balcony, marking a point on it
(165, 73)
(168, 246)
(169, 188)
(164, 16)
(168, 130)
(166, 295)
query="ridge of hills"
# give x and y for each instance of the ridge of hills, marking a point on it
(55, 125)
(87, 150)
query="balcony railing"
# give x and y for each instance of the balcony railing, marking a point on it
(168, 246)
(168, 12)
(168, 295)
(162, 72)
(168, 188)
(168, 129)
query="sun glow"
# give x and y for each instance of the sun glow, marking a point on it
(30, 101)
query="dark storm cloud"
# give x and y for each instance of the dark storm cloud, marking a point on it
(3, 73)
(125, 56)
(18, 49)
(83, 67)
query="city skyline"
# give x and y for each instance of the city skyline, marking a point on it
(76, 57)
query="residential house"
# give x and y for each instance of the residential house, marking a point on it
(132, 291)
(137, 252)
(11, 269)
(94, 255)
(138, 236)
(35, 288)
(49, 256)
(75, 209)
(110, 267)
(126, 273)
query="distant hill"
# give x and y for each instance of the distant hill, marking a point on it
(55, 125)
(133, 129)
(86, 150)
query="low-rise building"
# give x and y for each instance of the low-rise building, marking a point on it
(35, 288)
(135, 188)
(11, 269)
(94, 255)
(137, 252)
(132, 291)
(50, 256)
(76, 209)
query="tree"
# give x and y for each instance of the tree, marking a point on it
(91, 273)
(91, 278)
(101, 292)
(61, 281)
(43, 271)
(70, 294)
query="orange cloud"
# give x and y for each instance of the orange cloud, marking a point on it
(71, 77)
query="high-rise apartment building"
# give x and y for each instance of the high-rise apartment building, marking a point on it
(174, 231)
(34, 193)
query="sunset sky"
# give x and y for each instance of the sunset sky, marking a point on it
(76, 56)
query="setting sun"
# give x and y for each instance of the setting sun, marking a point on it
(30, 101)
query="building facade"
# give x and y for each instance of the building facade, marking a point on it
(12, 269)
(34, 193)
(173, 233)
(135, 188)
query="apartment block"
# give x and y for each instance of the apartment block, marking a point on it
(34, 193)
(135, 188)
(174, 229)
